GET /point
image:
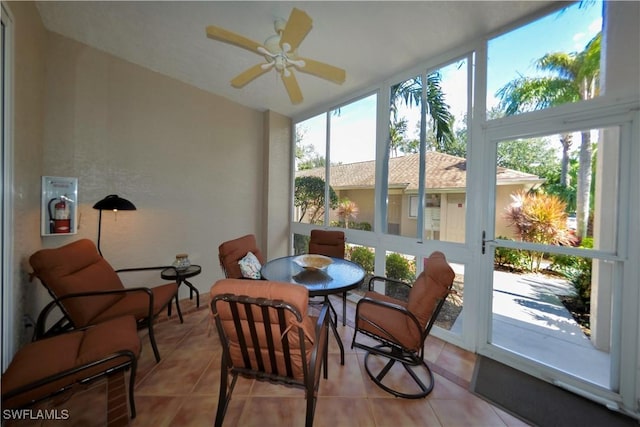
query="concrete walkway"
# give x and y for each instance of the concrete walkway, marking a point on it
(529, 319)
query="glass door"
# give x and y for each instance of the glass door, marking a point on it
(556, 235)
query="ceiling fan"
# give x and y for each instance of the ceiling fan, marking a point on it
(281, 53)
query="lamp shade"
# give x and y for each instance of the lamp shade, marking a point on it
(114, 202)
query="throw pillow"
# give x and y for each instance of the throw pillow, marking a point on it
(250, 266)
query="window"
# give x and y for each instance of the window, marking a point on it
(352, 149)
(494, 163)
(554, 60)
(341, 145)
(561, 189)
(310, 161)
(426, 183)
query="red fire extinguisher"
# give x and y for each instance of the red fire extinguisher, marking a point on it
(59, 221)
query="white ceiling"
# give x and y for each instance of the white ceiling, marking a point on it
(370, 40)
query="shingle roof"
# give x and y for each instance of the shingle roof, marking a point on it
(444, 171)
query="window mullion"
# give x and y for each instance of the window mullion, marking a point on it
(422, 158)
(327, 171)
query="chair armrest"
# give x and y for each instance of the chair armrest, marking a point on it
(63, 324)
(126, 270)
(39, 331)
(130, 359)
(386, 279)
(319, 351)
(106, 292)
(388, 306)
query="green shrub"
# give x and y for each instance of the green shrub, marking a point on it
(581, 279)
(365, 226)
(300, 244)
(577, 270)
(352, 225)
(364, 257)
(513, 259)
(398, 267)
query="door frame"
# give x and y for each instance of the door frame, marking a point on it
(595, 114)
(6, 210)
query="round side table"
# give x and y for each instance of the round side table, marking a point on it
(180, 277)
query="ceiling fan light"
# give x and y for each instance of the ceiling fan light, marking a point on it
(272, 45)
(280, 63)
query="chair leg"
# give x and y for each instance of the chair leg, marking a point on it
(178, 308)
(225, 394)
(152, 338)
(311, 408)
(132, 382)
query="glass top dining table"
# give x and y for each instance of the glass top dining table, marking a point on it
(340, 276)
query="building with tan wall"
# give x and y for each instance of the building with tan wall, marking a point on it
(446, 183)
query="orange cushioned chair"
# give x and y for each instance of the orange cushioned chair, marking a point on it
(266, 334)
(49, 366)
(88, 291)
(400, 328)
(232, 251)
(329, 243)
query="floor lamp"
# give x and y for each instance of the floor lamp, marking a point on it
(111, 203)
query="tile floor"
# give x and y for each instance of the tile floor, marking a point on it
(182, 390)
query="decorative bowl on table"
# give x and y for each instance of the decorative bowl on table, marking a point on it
(313, 262)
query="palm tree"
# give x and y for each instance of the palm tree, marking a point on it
(574, 77)
(347, 209)
(397, 133)
(410, 92)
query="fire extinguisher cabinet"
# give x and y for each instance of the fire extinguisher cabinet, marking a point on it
(59, 210)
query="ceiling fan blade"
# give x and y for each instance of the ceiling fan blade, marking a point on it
(226, 36)
(322, 70)
(293, 89)
(248, 75)
(297, 28)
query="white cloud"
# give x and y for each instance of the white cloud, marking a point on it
(595, 26)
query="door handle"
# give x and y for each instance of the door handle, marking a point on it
(485, 241)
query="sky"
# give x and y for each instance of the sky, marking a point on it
(510, 56)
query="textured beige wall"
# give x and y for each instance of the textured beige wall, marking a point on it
(277, 188)
(190, 161)
(28, 112)
(193, 163)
